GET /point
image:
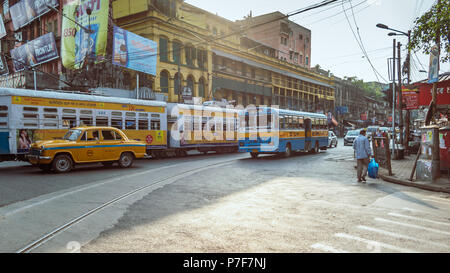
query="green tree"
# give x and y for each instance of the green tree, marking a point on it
(434, 23)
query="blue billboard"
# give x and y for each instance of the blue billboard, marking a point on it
(134, 52)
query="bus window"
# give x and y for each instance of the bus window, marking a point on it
(301, 122)
(116, 114)
(3, 108)
(101, 121)
(130, 114)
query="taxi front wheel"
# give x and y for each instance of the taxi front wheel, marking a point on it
(126, 160)
(62, 164)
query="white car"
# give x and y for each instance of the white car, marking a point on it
(332, 139)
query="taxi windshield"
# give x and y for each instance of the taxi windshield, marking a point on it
(72, 135)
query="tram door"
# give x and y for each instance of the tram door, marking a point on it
(308, 135)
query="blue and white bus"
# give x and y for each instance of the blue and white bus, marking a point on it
(267, 130)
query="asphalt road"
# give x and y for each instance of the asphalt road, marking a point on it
(223, 203)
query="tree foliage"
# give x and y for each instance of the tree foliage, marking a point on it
(371, 89)
(434, 23)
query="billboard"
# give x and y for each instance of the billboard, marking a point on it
(2, 27)
(134, 52)
(88, 36)
(36, 52)
(25, 11)
(3, 67)
(410, 98)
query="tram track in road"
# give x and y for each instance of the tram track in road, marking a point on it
(39, 242)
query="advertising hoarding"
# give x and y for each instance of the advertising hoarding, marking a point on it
(25, 11)
(36, 52)
(134, 52)
(88, 36)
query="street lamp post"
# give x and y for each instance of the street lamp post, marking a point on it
(408, 62)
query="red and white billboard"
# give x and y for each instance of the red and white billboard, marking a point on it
(443, 93)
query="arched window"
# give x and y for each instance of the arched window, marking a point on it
(190, 84)
(201, 88)
(164, 81)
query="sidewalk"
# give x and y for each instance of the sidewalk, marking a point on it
(402, 169)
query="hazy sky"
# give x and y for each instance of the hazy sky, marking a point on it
(334, 46)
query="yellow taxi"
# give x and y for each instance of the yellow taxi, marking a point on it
(86, 145)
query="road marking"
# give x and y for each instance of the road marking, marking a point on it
(374, 244)
(328, 248)
(412, 226)
(419, 219)
(396, 235)
(436, 201)
(413, 210)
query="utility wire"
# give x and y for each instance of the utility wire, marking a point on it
(360, 43)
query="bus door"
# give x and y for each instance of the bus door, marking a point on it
(308, 134)
(4, 143)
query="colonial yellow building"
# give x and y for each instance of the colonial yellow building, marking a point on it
(214, 59)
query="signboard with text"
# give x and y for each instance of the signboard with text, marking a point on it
(410, 98)
(36, 52)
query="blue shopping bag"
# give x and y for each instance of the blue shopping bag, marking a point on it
(373, 169)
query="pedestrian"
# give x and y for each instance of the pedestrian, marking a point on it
(363, 152)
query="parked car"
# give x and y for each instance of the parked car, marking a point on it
(332, 139)
(350, 137)
(86, 145)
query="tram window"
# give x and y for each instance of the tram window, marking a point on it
(3, 115)
(3, 108)
(143, 124)
(48, 116)
(144, 115)
(30, 124)
(116, 114)
(101, 121)
(30, 109)
(33, 116)
(3, 124)
(156, 125)
(86, 121)
(50, 110)
(86, 112)
(69, 122)
(69, 111)
(130, 124)
(155, 116)
(50, 124)
(130, 114)
(116, 123)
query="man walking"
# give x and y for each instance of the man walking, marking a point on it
(363, 152)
